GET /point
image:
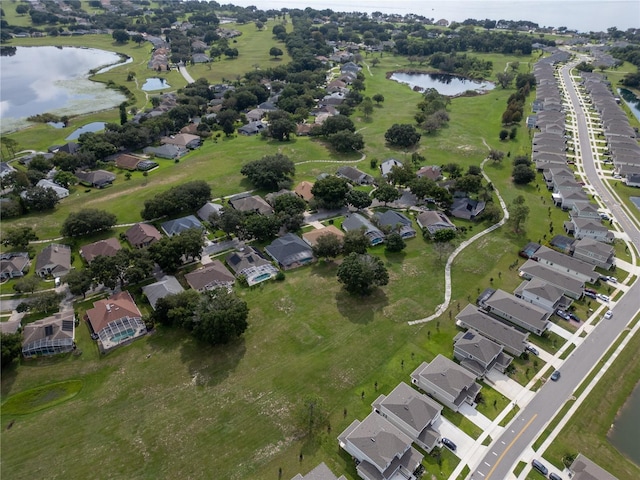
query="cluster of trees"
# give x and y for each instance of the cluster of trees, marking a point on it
(432, 110)
(361, 273)
(523, 172)
(515, 103)
(169, 252)
(214, 317)
(340, 133)
(186, 197)
(402, 135)
(86, 222)
(11, 345)
(271, 172)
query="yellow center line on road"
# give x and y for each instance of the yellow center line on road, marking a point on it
(495, 465)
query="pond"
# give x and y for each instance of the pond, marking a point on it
(54, 80)
(444, 83)
(631, 100)
(155, 84)
(89, 127)
(624, 434)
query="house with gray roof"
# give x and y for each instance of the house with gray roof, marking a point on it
(167, 285)
(413, 413)
(434, 221)
(252, 128)
(49, 336)
(251, 203)
(96, 178)
(172, 152)
(61, 192)
(355, 176)
(567, 265)
(517, 311)
(179, 225)
(108, 248)
(387, 166)
(208, 209)
(583, 468)
(478, 354)
(212, 275)
(585, 210)
(566, 199)
(14, 264)
(381, 450)
(321, 472)
(250, 264)
(447, 382)
(290, 251)
(588, 228)
(396, 221)
(54, 260)
(570, 285)
(467, 208)
(542, 294)
(512, 340)
(594, 252)
(355, 221)
(561, 243)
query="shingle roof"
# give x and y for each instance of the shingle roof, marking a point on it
(410, 406)
(167, 285)
(179, 225)
(511, 338)
(289, 249)
(519, 309)
(312, 236)
(448, 376)
(108, 247)
(110, 309)
(212, 275)
(142, 233)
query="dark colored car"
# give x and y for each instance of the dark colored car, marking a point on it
(589, 290)
(554, 476)
(539, 466)
(555, 376)
(590, 294)
(449, 444)
(574, 317)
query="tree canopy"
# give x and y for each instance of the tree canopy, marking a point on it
(86, 222)
(327, 246)
(11, 344)
(272, 172)
(220, 316)
(187, 197)
(402, 135)
(361, 273)
(330, 192)
(18, 236)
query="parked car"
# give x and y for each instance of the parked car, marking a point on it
(574, 317)
(602, 297)
(449, 444)
(589, 290)
(590, 294)
(562, 314)
(611, 279)
(608, 315)
(532, 349)
(555, 376)
(538, 465)
(554, 476)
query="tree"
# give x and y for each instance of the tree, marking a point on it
(519, 213)
(45, 302)
(523, 174)
(395, 242)
(11, 347)
(375, 61)
(177, 310)
(469, 183)
(422, 187)
(401, 175)
(27, 284)
(39, 199)
(337, 123)
(327, 246)
(355, 241)
(311, 415)
(402, 135)
(496, 155)
(79, 281)
(231, 53)
(281, 128)
(220, 317)
(503, 134)
(330, 192)
(346, 141)
(18, 237)
(367, 107)
(186, 197)
(522, 160)
(271, 172)
(168, 252)
(87, 221)
(65, 179)
(261, 227)
(290, 204)
(276, 52)
(22, 9)
(125, 267)
(358, 199)
(378, 98)
(444, 235)
(361, 273)
(137, 38)
(123, 113)
(386, 193)
(10, 145)
(505, 78)
(120, 36)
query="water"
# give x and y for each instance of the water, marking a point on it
(624, 434)
(155, 84)
(89, 127)
(581, 15)
(631, 100)
(52, 80)
(445, 84)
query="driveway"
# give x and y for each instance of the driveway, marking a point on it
(505, 385)
(448, 430)
(557, 329)
(475, 416)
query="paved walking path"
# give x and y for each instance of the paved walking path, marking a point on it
(183, 70)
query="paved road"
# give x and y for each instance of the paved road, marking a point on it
(501, 458)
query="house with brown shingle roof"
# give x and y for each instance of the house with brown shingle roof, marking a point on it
(142, 235)
(54, 260)
(312, 236)
(108, 248)
(213, 275)
(303, 190)
(185, 140)
(127, 162)
(116, 321)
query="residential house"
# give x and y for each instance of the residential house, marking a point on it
(350, 67)
(355, 176)
(571, 286)
(183, 140)
(108, 247)
(585, 210)
(167, 285)
(126, 161)
(381, 450)
(513, 340)
(396, 221)
(413, 413)
(434, 221)
(5, 169)
(321, 472)
(312, 236)
(467, 208)
(387, 166)
(566, 199)
(209, 209)
(255, 114)
(251, 203)
(96, 178)
(14, 264)
(355, 221)
(517, 311)
(594, 252)
(478, 354)
(116, 321)
(179, 225)
(49, 336)
(632, 180)
(290, 251)
(252, 128)
(212, 275)
(447, 382)
(432, 172)
(583, 468)
(54, 260)
(61, 192)
(249, 264)
(561, 243)
(303, 190)
(567, 265)
(542, 294)
(588, 228)
(171, 152)
(271, 197)
(142, 235)
(200, 58)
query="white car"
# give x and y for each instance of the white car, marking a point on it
(611, 279)
(602, 297)
(608, 315)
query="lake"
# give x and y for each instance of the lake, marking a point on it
(155, 84)
(53, 80)
(631, 100)
(624, 434)
(445, 84)
(89, 127)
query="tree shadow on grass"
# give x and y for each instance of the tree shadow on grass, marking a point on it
(9, 375)
(209, 365)
(361, 309)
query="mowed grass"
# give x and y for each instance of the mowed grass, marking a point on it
(40, 398)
